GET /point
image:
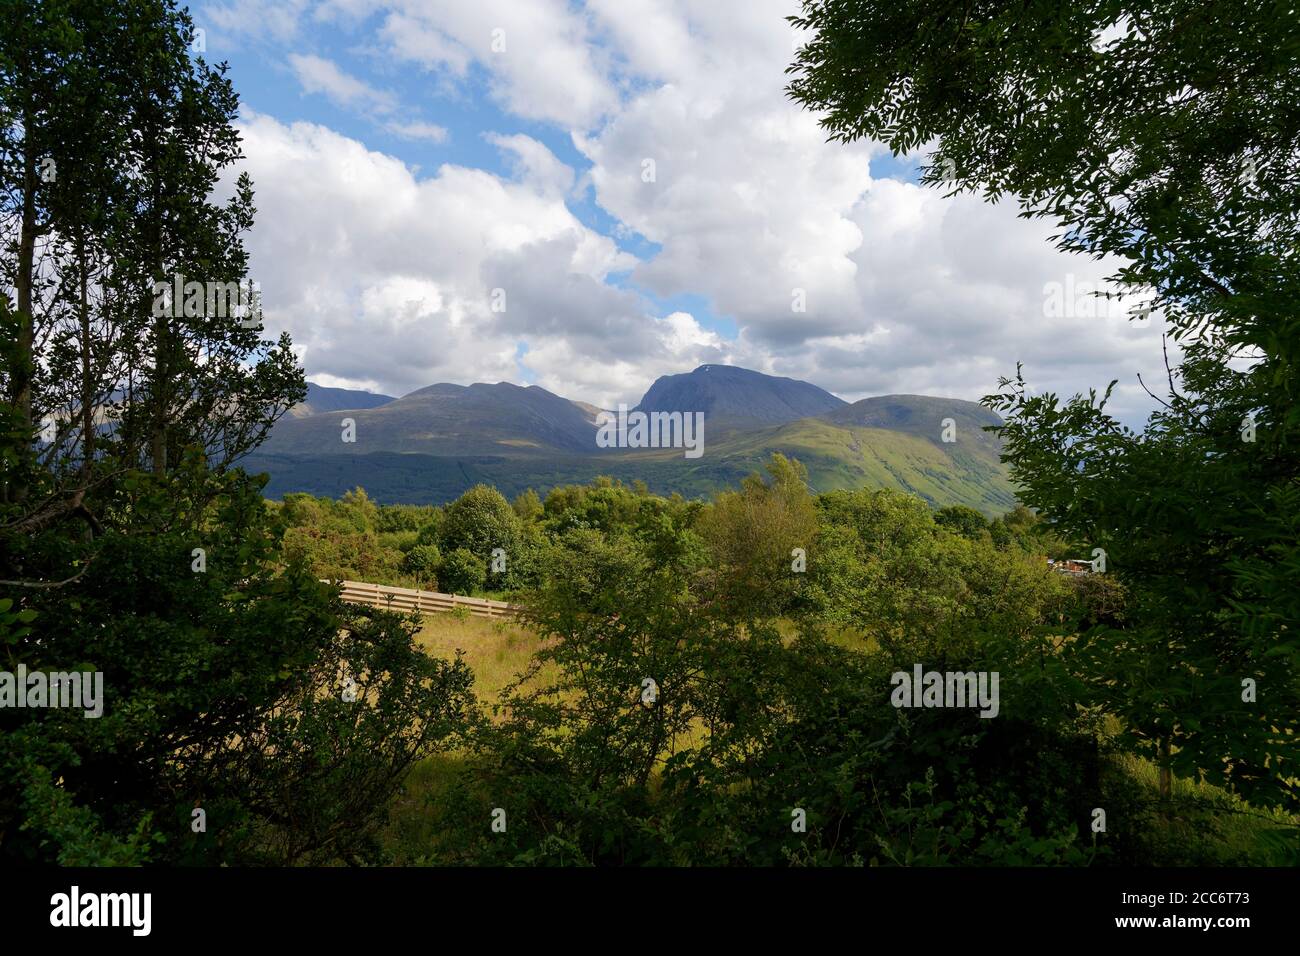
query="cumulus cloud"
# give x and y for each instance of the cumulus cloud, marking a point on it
(860, 284)
(535, 164)
(418, 129)
(389, 280)
(540, 56)
(319, 75)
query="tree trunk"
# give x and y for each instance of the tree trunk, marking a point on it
(158, 429)
(162, 334)
(87, 386)
(24, 361)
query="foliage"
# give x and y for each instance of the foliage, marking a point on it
(757, 534)
(964, 521)
(594, 764)
(1163, 136)
(479, 521)
(217, 694)
(527, 506)
(463, 572)
(423, 562)
(132, 551)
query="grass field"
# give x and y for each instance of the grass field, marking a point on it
(1201, 825)
(496, 650)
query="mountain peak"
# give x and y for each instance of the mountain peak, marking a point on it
(735, 395)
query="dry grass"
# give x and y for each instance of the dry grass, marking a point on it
(496, 650)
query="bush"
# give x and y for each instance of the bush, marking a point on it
(480, 520)
(462, 572)
(422, 562)
(220, 691)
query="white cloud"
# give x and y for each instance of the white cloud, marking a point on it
(905, 290)
(417, 129)
(540, 57)
(535, 164)
(385, 279)
(272, 19)
(279, 20)
(319, 75)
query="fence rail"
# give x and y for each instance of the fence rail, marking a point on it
(409, 599)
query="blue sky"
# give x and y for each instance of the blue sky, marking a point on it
(413, 158)
(267, 84)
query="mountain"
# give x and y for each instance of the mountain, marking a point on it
(321, 398)
(591, 411)
(916, 414)
(448, 419)
(733, 396)
(430, 445)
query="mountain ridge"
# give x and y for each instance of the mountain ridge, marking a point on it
(431, 444)
(322, 399)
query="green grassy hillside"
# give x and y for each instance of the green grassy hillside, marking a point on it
(836, 457)
(966, 472)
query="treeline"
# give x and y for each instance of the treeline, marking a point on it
(483, 544)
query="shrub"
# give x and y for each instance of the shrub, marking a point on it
(422, 562)
(462, 572)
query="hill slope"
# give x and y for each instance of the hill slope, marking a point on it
(964, 472)
(321, 398)
(922, 415)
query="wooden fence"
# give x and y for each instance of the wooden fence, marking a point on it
(409, 599)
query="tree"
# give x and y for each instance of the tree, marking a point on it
(479, 521)
(887, 568)
(527, 505)
(112, 142)
(761, 537)
(226, 686)
(658, 726)
(462, 572)
(423, 561)
(129, 545)
(962, 520)
(1163, 135)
